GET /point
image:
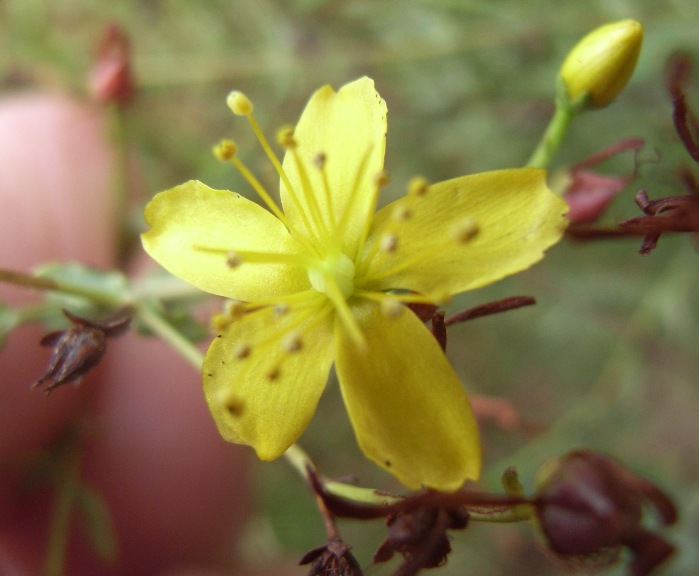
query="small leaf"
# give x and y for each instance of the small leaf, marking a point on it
(98, 523)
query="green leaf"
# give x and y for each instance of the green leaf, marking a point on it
(9, 319)
(98, 523)
(82, 280)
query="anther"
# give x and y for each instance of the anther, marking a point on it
(233, 259)
(232, 310)
(239, 103)
(391, 308)
(389, 243)
(235, 309)
(465, 230)
(285, 137)
(319, 160)
(381, 179)
(401, 213)
(292, 343)
(418, 186)
(225, 150)
(440, 298)
(280, 309)
(242, 351)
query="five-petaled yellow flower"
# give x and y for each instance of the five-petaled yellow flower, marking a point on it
(326, 279)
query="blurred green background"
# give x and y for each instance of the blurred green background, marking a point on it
(606, 359)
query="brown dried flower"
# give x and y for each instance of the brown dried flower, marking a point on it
(77, 350)
(419, 533)
(333, 559)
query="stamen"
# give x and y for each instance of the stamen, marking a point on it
(391, 308)
(402, 297)
(236, 258)
(319, 162)
(349, 208)
(465, 230)
(388, 243)
(290, 337)
(418, 186)
(239, 103)
(233, 310)
(242, 350)
(381, 179)
(225, 150)
(285, 179)
(292, 343)
(401, 213)
(308, 299)
(281, 309)
(233, 260)
(285, 137)
(345, 314)
(310, 197)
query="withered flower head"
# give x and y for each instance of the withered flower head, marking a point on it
(333, 559)
(419, 534)
(77, 350)
(589, 507)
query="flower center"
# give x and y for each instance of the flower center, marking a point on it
(335, 272)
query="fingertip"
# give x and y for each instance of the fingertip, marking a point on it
(178, 493)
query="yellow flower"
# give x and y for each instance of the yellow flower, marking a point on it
(325, 280)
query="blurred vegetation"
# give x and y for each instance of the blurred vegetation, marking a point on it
(606, 359)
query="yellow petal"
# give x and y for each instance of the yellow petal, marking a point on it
(191, 221)
(349, 128)
(408, 408)
(261, 388)
(517, 217)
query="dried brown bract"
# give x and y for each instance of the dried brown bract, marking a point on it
(589, 507)
(77, 350)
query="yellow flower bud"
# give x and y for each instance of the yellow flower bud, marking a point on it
(600, 65)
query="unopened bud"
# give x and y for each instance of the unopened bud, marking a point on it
(600, 65)
(589, 506)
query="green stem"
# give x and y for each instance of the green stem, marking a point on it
(553, 136)
(299, 460)
(42, 283)
(161, 327)
(517, 513)
(60, 521)
(121, 179)
(27, 280)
